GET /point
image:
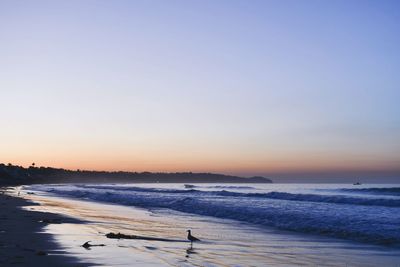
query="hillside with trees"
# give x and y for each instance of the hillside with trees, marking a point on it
(18, 175)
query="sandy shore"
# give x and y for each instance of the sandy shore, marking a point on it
(71, 222)
(21, 241)
(224, 242)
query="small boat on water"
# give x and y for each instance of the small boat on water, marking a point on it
(358, 183)
(189, 186)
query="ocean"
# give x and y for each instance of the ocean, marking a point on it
(362, 217)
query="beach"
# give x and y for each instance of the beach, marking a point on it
(200, 133)
(161, 233)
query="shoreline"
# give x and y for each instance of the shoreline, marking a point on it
(70, 222)
(22, 240)
(225, 242)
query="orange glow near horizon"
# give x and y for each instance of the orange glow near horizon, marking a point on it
(217, 157)
(233, 166)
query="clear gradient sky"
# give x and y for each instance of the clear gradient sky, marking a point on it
(286, 89)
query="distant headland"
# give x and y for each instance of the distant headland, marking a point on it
(18, 175)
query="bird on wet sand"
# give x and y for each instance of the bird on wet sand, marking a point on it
(191, 238)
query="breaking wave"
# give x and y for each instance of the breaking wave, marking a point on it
(337, 199)
(374, 220)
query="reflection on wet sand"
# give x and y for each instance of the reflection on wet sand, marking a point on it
(190, 251)
(225, 243)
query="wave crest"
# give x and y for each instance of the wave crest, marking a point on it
(368, 220)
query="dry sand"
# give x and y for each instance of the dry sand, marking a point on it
(22, 242)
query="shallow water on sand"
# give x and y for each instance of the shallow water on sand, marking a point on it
(363, 213)
(224, 242)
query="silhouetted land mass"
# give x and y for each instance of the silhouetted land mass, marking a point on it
(17, 175)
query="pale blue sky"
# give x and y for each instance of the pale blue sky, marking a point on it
(243, 87)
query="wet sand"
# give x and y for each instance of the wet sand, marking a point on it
(70, 223)
(224, 242)
(22, 240)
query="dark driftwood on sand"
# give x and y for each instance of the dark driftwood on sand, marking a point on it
(123, 236)
(87, 245)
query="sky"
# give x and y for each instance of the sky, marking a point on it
(292, 90)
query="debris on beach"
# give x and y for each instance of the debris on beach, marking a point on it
(123, 236)
(88, 246)
(120, 236)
